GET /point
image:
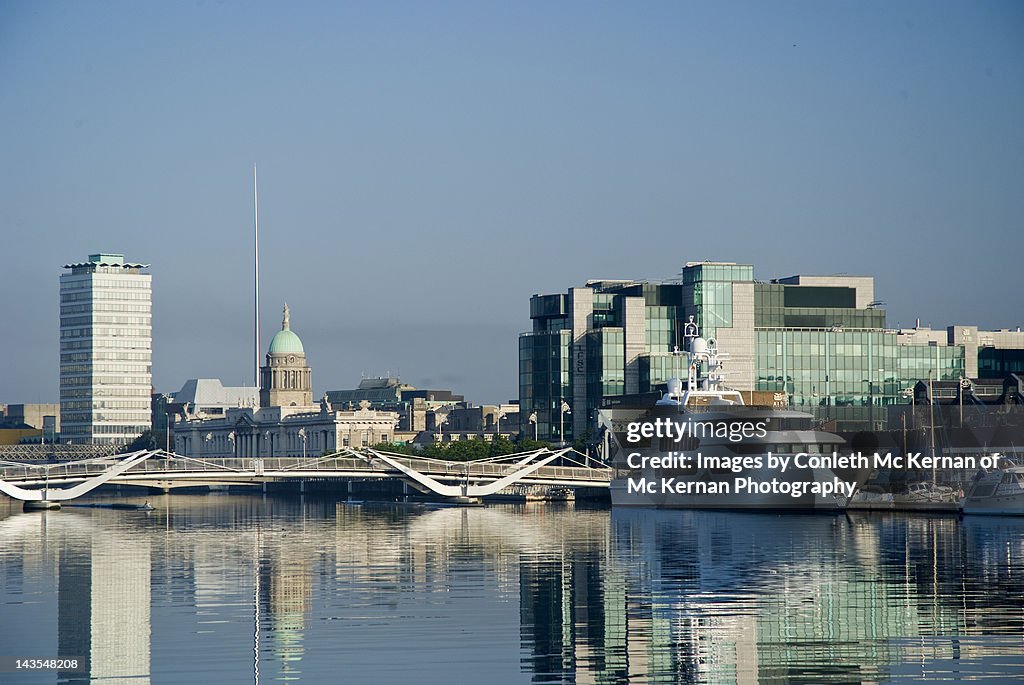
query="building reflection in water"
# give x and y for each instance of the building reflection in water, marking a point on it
(591, 596)
(286, 586)
(737, 598)
(103, 598)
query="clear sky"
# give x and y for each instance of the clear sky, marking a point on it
(427, 166)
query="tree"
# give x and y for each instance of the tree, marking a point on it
(145, 441)
(500, 446)
(528, 445)
(466, 450)
(581, 443)
(395, 448)
(436, 450)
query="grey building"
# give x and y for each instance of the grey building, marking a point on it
(415, 407)
(207, 396)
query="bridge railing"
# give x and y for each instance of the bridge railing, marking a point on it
(160, 465)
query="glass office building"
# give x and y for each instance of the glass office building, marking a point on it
(819, 343)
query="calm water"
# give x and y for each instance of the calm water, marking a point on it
(234, 589)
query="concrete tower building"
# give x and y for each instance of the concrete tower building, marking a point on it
(286, 380)
(106, 349)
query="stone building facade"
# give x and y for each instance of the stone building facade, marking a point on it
(287, 423)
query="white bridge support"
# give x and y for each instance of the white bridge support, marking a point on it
(43, 485)
(46, 494)
(532, 462)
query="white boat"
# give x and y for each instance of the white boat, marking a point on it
(731, 473)
(921, 496)
(998, 492)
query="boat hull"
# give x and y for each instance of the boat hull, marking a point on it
(722, 492)
(997, 493)
(721, 473)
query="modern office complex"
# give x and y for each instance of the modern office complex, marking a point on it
(106, 347)
(816, 342)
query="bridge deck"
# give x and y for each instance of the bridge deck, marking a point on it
(162, 467)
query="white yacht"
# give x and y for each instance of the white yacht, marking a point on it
(715, 455)
(999, 492)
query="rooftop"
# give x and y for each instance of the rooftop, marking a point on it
(107, 259)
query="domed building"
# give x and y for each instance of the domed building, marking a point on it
(287, 423)
(286, 380)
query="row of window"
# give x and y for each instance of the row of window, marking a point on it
(108, 356)
(698, 273)
(106, 404)
(144, 331)
(132, 429)
(69, 392)
(140, 282)
(88, 308)
(69, 369)
(88, 295)
(79, 321)
(140, 344)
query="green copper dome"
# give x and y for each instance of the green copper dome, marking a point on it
(284, 341)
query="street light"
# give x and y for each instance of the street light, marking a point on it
(965, 384)
(231, 439)
(565, 409)
(302, 434)
(497, 429)
(208, 438)
(270, 447)
(440, 418)
(533, 420)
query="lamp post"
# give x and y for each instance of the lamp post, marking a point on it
(965, 384)
(909, 393)
(497, 428)
(302, 434)
(564, 409)
(270, 447)
(231, 439)
(440, 418)
(207, 439)
(931, 420)
(533, 420)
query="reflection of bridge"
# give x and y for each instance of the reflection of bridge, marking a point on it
(159, 469)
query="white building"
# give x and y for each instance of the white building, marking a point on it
(287, 423)
(106, 348)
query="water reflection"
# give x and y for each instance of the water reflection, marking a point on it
(263, 589)
(743, 598)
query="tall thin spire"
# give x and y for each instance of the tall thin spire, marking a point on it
(286, 321)
(256, 276)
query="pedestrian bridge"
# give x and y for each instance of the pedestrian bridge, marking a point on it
(159, 469)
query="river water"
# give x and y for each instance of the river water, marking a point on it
(237, 588)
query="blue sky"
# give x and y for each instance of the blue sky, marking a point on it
(426, 167)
